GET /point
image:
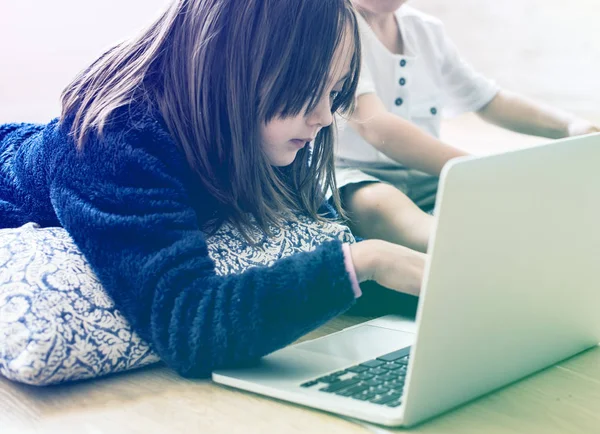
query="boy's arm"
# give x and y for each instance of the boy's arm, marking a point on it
(517, 113)
(469, 91)
(398, 138)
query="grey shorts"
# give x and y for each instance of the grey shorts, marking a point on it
(420, 187)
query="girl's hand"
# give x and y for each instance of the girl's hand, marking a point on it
(391, 265)
(580, 127)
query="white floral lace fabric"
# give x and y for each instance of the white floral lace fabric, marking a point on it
(58, 324)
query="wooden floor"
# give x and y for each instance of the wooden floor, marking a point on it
(560, 400)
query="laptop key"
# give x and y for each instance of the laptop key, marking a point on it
(377, 371)
(334, 387)
(355, 390)
(396, 391)
(309, 383)
(381, 390)
(395, 355)
(388, 377)
(402, 361)
(357, 369)
(374, 382)
(385, 398)
(372, 363)
(328, 379)
(399, 382)
(395, 403)
(393, 366)
(365, 396)
(364, 376)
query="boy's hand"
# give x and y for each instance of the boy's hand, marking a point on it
(580, 127)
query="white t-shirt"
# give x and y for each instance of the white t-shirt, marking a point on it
(428, 81)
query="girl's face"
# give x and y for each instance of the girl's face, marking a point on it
(282, 138)
(379, 6)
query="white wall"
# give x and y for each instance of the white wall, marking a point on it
(549, 49)
(44, 43)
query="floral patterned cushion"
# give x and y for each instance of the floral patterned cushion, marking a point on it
(58, 324)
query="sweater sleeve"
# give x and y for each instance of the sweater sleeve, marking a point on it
(131, 216)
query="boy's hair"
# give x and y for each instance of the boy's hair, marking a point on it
(216, 70)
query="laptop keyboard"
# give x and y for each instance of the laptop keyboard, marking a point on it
(379, 381)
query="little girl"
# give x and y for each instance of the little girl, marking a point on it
(389, 158)
(203, 119)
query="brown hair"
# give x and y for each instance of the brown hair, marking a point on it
(216, 69)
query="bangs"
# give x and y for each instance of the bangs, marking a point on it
(305, 61)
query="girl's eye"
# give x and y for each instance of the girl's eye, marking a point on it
(333, 95)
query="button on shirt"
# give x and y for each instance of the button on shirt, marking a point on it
(429, 81)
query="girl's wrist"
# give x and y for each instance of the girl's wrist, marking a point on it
(364, 258)
(351, 270)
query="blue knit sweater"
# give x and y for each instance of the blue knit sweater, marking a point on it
(135, 209)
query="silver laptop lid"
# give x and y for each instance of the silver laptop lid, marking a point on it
(513, 280)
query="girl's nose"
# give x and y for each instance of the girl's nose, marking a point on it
(321, 115)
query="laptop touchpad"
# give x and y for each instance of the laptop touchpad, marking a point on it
(360, 343)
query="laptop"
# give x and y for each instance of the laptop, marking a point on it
(511, 286)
